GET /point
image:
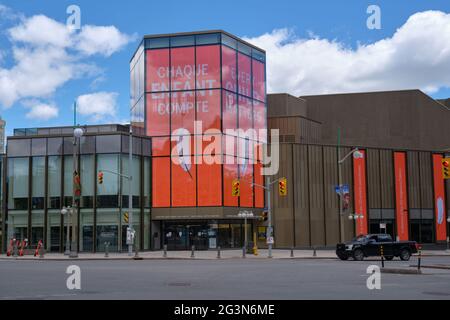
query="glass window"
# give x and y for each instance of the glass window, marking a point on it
(181, 41)
(230, 173)
(246, 178)
(184, 182)
(209, 184)
(108, 221)
(68, 180)
(135, 182)
(244, 75)
(258, 55)
(208, 67)
(229, 41)
(208, 109)
(18, 183)
(108, 192)
(146, 147)
(230, 115)
(242, 47)
(245, 113)
(88, 176)
(183, 112)
(157, 43)
(87, 144)
(68, 145)
(158, 114)
(182, 68)
(54, 146)
(37, 226)
(147, 223)
(54, 182)
(19, 147)
(86, 229)
(229, 76)
(147, 182)
(158, 75)
(210, 38)
(160, 146)
(161, 182)
(39, 147)
(137, 148)
(38, 183)
(259, 82)
(108, 144)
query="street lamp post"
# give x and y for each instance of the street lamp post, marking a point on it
(356, 154)
(245, 214)
(448, 237)
(65, 212)
(77, 134)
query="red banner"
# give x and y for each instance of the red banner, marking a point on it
(401, 195)
(439, 199)
(359, 180)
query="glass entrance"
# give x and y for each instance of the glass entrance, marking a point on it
(179, 236)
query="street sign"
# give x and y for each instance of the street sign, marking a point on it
(125, 217)
(270, 240)
(343, 189)
(382, 225)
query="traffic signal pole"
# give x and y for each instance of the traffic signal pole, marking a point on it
(269, 215)
(130, 196)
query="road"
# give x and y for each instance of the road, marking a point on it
(219, 280)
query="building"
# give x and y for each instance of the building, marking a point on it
(397, 185)
(217, 79)
(39, 171)
(390, 145)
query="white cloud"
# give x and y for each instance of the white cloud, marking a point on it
(416, 56)
(47, 54)
(99, 106)
(41, 111)
(101, 40)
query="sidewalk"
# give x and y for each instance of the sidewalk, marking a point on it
(204, 255)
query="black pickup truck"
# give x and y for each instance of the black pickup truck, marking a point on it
(370, 246)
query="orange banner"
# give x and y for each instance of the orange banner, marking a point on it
(439, 199)
(359, 181)
(401, 195)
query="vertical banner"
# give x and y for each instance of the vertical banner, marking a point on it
(439, 199)
(401, 195)
(359, 181)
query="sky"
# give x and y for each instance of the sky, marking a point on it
(313, 47)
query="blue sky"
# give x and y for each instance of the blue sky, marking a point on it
(341, 28)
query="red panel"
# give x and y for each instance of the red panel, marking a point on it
(160, 146)
(401, 195)
(161, 182)
(259, 83)
(439, 199)
(209, 184)
(259, 120)
(183, 183)
(229, 69)
(229, 117)
(208, 109)
(183, 111)
(158, 114)
(246, 179)
(230, 173)
(208, 67)
(259, 192)
(359, 178)
(244, 75)
(245, 113)
(157, 70)
(183, 68)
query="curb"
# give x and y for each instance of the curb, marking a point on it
(434, 267)
(401, 271)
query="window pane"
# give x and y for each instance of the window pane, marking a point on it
(107, 193)
(182, 41)
(87, 144)
(54, 182)
(183, 112)
(157, 70)
(18, 183)
(108, 144)
(161, 182)
(55, 146)
(208, 67)
(229, 117)
(244, 75)
(38, 183)
(245, 113)
(68, 180)
(209, 185)
(39, 147)
(246, 179)
(259, 83)
(230, 173)
(157, 43)
(184, 183)
(147, 182)
(86, 229)
(158, 114)
(182, 69)
(19, 147)
(135, 182)
(207, 38)
(229, 69)
(208, 109)
(87, 180)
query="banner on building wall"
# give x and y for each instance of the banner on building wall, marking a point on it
(359, 181)
(439, 199)
(401, 195)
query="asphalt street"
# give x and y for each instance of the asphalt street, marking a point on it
(220, 280)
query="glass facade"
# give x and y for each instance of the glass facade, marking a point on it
(39, 184)
(212, 79)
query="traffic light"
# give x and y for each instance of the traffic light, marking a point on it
(100, 177)
(282, 187)
(236, 188)
(446, 168)
(265, 216)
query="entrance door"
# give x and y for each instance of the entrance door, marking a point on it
(54, 239)
(176, 237)
(198, 236)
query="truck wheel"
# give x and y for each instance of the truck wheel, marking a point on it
(343, 256)
(358, 255)
(389, 258)
(405, 254)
